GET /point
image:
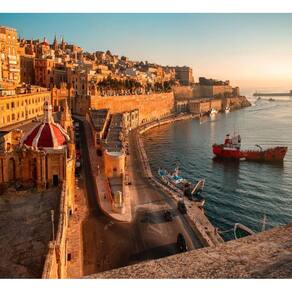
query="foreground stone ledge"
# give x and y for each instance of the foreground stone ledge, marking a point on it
(264, 255)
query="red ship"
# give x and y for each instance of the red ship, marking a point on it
(231, 150)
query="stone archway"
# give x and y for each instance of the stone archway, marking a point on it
(11, 169)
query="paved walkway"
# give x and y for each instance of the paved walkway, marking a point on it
(103, 193)
(196, 217)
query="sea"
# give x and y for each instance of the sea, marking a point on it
(244, 192)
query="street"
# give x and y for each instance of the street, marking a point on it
(107, 244)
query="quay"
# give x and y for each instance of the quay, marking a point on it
(195, 217)
(202, 227)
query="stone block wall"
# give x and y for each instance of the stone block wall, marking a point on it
(56, 260)
(183, 92)
(150, 107)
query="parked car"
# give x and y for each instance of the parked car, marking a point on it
(181, 243)
(167, 215)
(182, 207)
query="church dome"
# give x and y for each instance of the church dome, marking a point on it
(48, 134)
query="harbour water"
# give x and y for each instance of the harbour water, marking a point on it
(235, 192)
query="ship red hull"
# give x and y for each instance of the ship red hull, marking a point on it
(276, 154)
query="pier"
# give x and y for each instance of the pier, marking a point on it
(259, 94)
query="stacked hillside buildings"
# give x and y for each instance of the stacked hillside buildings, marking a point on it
(115, 95)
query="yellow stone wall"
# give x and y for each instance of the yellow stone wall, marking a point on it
(150, 107)
(56, 260)
(201, 106)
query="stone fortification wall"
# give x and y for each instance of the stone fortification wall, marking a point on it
(150, 107)
(56, 260)
(183, 92)
(203, 91)
(200, 91)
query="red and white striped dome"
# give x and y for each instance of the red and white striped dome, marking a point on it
(48, 134)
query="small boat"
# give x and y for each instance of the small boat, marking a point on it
(227, 110)
(175, 181)
(271, 99)
(241, 230)
(213, 112)
(231, 149)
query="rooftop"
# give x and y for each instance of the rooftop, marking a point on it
(98, 118)
(114, 137)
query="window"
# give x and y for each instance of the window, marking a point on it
(7, 105)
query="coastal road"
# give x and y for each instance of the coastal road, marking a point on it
(108, 244)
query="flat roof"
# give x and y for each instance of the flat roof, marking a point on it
(98, 118)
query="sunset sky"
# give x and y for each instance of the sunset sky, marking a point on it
(251, 50)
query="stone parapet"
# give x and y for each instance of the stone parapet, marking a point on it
(56, 259)
(264, 255)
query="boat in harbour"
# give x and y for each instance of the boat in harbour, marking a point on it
(241, 230)
(177, 182)
(231, 149)
(213, 112)
(227, 110)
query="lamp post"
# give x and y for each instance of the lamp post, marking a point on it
(53, 225)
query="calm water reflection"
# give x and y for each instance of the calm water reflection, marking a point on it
(235, 192)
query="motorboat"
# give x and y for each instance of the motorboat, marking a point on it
(175, 181)
(213, 112)
(227, 109)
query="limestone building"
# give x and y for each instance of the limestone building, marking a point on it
(184, 75)
(9, 58)
(20, 104)
(42, 157)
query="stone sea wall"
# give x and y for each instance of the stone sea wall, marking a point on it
(204, 230)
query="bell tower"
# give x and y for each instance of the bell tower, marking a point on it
(66, 120)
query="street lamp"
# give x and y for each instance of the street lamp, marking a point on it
(53, 225)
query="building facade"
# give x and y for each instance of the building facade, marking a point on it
(9, 57)
(184, 75)
(39, 157)
(19, 107)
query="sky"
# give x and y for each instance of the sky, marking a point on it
(250, 50)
